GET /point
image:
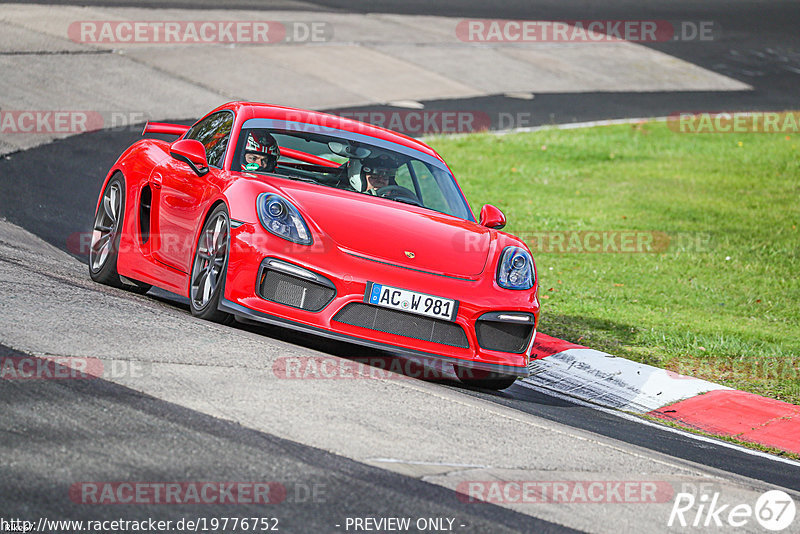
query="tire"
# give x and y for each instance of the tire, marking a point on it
(483, 379)
(106, 234)
(210, 267)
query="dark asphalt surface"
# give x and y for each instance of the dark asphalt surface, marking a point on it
(756, 42)
(59, 433)
(674, 444)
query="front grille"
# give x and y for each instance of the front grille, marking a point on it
(503, 336)
(293, 291)
(402, 324)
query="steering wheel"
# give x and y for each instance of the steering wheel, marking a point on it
(400, 193)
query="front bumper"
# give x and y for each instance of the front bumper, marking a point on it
(320, 289)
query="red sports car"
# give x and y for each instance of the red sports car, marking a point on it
(324, 225)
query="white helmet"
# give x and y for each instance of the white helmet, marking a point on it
(358, 170)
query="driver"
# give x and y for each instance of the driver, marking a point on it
(261, 152)
(378, 172)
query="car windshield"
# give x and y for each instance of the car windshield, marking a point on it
(349, 161)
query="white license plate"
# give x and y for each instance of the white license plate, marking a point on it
(411, 301)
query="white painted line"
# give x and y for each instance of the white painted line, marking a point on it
(409, 104)
(578, 125)
(591, 124)
(520, 95)
(545, 127)
(640, 420)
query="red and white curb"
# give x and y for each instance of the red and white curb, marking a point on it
(602, 379)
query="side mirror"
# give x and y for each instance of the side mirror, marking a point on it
(492, 217)
(192, 152)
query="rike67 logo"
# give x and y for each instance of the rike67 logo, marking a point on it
(774, 510)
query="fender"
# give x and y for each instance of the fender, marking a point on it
(241, 199)
(136, 157)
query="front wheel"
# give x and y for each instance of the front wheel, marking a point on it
(483, 379)
(209, 267)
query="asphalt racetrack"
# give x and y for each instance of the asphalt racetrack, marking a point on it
(209, 408)
(754, 42)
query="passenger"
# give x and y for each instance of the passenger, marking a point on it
(376, 172)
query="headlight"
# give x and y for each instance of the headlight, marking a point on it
(516, 269)
(278, 216)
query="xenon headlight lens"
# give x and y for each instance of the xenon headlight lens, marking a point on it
(279, 217)
(516, 269)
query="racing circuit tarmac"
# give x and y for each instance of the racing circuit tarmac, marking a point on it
(209, 406)
(755, 43)
(113, 424)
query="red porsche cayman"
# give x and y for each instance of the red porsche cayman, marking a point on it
(320, 224)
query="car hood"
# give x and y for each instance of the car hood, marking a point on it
(397, 233)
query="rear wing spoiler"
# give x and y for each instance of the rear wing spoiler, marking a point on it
(164, 128)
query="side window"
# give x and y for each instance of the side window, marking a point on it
(214, 132)
(431, 193)
(403, 177)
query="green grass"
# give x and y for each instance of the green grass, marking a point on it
(721, 302)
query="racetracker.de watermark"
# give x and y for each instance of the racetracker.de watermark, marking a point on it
(414, 122)
(406, 121)
(54, 122)
(69, 368)
(564, 491)
(738, 122)
(603, 241)
(137, 492)
(198, 32)
(584, 31)
(379, 368)
(177, 245)
(49, 121)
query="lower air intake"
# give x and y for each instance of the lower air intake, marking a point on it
(293, 291)
(403, 324)
(503, 336)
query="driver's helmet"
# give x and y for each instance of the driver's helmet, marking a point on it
(263, 151)
(380, 168)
